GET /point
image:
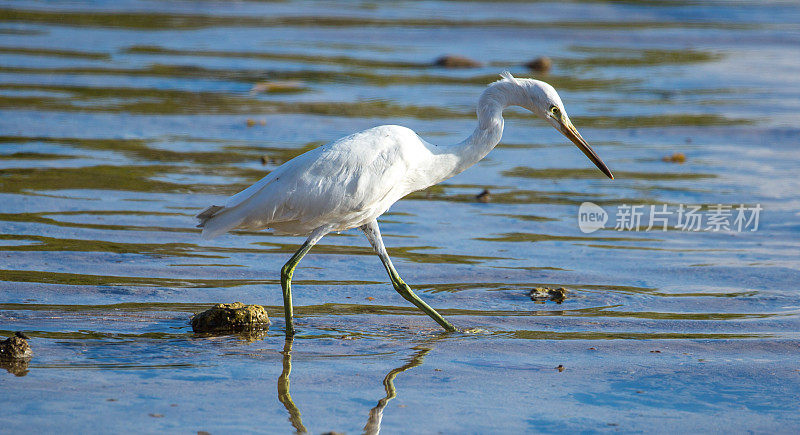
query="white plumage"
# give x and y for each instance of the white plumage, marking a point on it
(345, 184)
(348, 183)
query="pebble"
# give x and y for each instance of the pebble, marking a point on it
(541, 64)
(451, 61)
(675, 158)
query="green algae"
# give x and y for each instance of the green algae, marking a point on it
(405, 252)
(163, 21)
(357, 76)
(636, 57)
(174, 101)
(229, 153)
(134, 310)
(551, 335)
(64, 278)
(533, 237)
(55, 53)
(583, 173)
(302, 58)
(190, 250)
(445, 192)
(51, 218)
(35, 156)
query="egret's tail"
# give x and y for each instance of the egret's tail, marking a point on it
(217, 220)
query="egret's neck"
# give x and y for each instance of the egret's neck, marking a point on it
(487, 134)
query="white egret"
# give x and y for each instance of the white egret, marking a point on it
(349, 182)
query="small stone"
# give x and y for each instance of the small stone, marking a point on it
(252, 122)
(675, 158)
(474, 331)
(451, 61)
(655, 351)
(265, 159)
(15, 347)
(592, 348)
(540, 64)
(484, 196)
(155, 415)
(235, 317)
(541, 294)
(560, 368)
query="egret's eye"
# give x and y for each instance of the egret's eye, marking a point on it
(554, 110)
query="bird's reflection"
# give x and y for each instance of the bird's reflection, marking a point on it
(373, 425)
(283, 389)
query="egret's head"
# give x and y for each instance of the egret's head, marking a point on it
(543, 100)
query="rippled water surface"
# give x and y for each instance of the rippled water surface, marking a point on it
(121, 120)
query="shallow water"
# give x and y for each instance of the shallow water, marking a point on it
(119, 121)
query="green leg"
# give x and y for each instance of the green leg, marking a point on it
(287, 271)
(373, 234)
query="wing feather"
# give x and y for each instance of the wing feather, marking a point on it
(340, 184)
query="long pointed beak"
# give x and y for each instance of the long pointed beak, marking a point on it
(571, 132)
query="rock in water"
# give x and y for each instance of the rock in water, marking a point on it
(235, 317)
(675, 158)
(540, 64)
(541, 294)
(484, 196)
(451, 61)
(15, 347)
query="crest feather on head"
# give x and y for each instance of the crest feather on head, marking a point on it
(506, 75)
